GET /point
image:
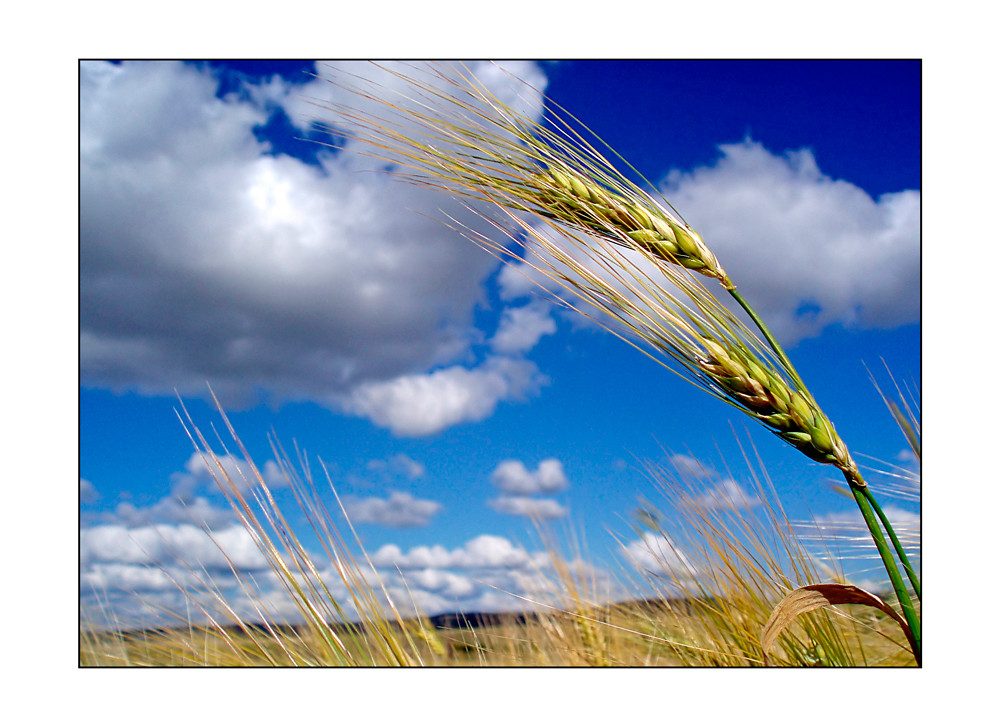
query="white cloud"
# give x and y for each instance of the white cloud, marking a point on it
(413, 469)
(170, 509)
(418, 405)
(169, 545)
(657, 554)
(513, 478)
(725, 494)
(134, 575)
(482, 552)
(706, 489)
(520, 487)
(399, 510)
(186, 501)
(200, 473)
(398, 464)
(204, 256)
(791, 236)
(688, 466)
(137, 572)
(422, 556)
(521, 328)
(539, 508)
(104, 576)
(808, 251)
(88, 493)
(443, 582)
(486, 574)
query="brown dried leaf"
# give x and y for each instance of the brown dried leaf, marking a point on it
(813, 597)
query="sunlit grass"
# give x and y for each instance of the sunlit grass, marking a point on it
(716, 573)
(710, 581)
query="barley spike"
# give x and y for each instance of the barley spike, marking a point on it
(764, 395)
(580, 202)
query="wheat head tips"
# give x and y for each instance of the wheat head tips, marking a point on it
(564, 195)
(452, 133)
(447, 131)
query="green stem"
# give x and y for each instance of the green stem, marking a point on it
(862, 494)
(910, 572)
(905, 604)
(772, 341)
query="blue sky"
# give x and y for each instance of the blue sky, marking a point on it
(334, 309)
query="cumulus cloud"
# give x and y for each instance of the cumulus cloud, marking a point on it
(168, 545)
(482, 552)
(137, 573)
(398, 464)
(200, 473)
(706, 489)
(658, 554)
(417, 405)
(487, 574)
(724, 494)
(513, 478)
(444, 583)
(537, 508)
(399, 510)
(522, 328)
(186, 501)
(808, 250)
(521, 487)
(172, 509)
(88, 493)
(206, 255)
(133, 576)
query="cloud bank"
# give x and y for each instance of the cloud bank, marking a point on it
(124, 570)
(205, 254)
(808, 250)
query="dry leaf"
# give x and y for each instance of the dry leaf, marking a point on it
(813, 597)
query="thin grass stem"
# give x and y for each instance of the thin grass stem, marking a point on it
(769, 337)
(900, 551)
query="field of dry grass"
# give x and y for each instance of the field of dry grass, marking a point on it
(617, 254)
(628, 635)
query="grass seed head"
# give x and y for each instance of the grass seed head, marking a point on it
(747, 380)
(461, 139)
(582, 202)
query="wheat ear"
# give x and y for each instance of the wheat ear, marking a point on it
(449, 132)
(567, 197)
(453, 134)
(479, 148)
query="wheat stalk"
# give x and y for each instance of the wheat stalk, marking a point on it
(451, 133)
(604, 240)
